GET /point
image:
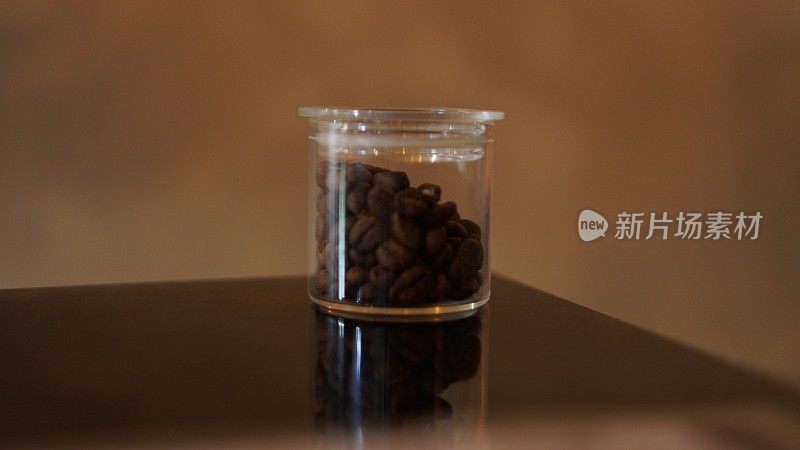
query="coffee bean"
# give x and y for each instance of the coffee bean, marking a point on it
(435, 240)
(379, 200)
(466, 287)
(466, 262)
(331, 175)
(356, 275)
(359, 172)
(430, 192)
(367, 233)
(405, 231)
(471, 227)
(357, 197)
(381, 277)
(373, 169)
(349, 221)
(321, 229)
(393, 255)
(444, 257)
(321, 202)
(327, 254)
(323, 169)
(367, 293)
(322, 260)
(441, 213)
(441, 289)
(456, 216)
(455, 229)
(330, 204)
(390, 180)
(323, 281)
(365, 259)
(410, 202)
(412, 286)
(454, 242)
(470, 254)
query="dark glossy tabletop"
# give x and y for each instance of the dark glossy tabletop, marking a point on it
(240, 362)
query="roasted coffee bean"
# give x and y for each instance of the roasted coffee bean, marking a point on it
(330, 204)
(466, 287)
(470, 254)
(322, 260)
(430, 192)
(441, 289)
(435, 240)
(324, 280)
(454, 242)
(444, 257)
(359, 172)
(364, 259)
(323, 169)
(329, 256)
(466, 262)
(367, 233)
(381, 276)
(471, 227)
(321, 229)
(456, 216)
(379, 201)
(326, 254)
(321, 202)
(405, 230)
(441, 213)
(331, 175)
(367, 293)
(349, 221)
(351, 290)
(357, 197)
(410, 202)
(390, 180)
(356, 275)
(393, 255)
(455, 229)
(374, 169)
(412, 286)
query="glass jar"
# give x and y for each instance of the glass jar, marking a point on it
(399, 209)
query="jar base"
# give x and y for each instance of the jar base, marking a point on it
(433, 313)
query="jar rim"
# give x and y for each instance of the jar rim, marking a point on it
(432, 114)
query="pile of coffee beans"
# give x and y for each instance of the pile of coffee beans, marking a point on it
(401, 373)
(395, 244)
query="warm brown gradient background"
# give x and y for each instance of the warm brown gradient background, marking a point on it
(160, 140)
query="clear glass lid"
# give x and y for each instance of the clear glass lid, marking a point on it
(431, 114)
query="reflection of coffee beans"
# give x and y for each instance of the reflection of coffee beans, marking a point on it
(378, 374)
(430, 252)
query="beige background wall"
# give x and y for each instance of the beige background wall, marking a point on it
(151, 141)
